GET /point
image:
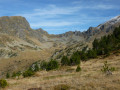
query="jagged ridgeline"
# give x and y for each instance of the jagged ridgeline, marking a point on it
(20, 45)
(104, 46)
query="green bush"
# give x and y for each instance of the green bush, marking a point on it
(36, 68)
(28, 73)
(65, 60)
(43, 65)
(14, 74)
(106, 67)
(7, 75)
(52, 64)
(78, 68)
(18, 74)
(75, 58)
(3, 83)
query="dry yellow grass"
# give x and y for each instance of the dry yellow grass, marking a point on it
(23, 60)
(90, 78)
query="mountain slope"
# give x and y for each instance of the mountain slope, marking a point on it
(20, 45)
(90, 78)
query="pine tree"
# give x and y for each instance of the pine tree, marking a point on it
(65, 60)
(52, 64)
(75, 58)
(95, 44)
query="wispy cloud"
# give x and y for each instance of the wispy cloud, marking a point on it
(77, 13)
(52, 10)
(53, 24)
(58, 15)
(102, 7)
(95, 5)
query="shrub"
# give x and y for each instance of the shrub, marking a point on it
(28, 73)
(53, 64)
(3, 83)
(18, 74)
(106, 67)
(43, 65)
(78, 68)
(112, 69)
(65, 60)
(7, 75)
(14, 74)
(36, 68)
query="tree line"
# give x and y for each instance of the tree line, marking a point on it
(103, 46)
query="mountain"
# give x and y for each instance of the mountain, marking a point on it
(87, 37)
(20, 45)
(19, 27)
(103, 29)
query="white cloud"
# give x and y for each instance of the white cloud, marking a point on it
(52, 10)
(53, 24)
(103, 7)
(40, 16)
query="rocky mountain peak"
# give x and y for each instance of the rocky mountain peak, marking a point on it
(40, 30)
(114, 20)
(13, 23)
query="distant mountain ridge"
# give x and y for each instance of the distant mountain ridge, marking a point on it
(18, 26)
(20, 45)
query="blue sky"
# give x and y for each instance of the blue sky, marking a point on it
(59, 16)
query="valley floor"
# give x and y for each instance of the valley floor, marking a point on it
(90, 78)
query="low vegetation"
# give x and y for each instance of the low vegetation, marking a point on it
(7, 75)
(78, 68)
(16, 74)
(3, 83)
(65, 61)
(28, 73)
(103, 46)
(53, 64)
(107, 68)
(107, 43)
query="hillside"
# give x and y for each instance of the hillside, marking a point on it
(20, 45)
(90, 78)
